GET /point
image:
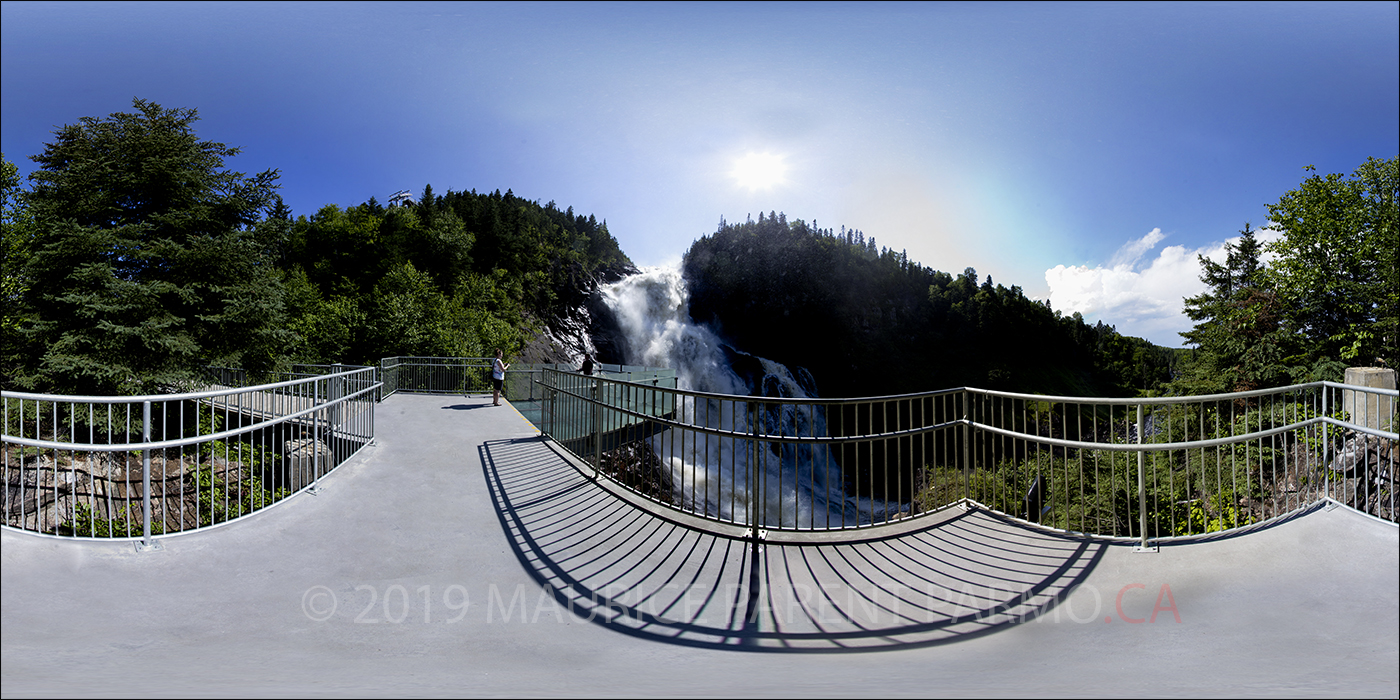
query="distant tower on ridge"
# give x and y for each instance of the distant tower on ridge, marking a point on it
(400, 198)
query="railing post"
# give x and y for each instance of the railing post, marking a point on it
(335, 388)
(967, 443)
(753, 469)
(146, 544)
(597, 428)
(1142, 483)
(1326, 429)
(316, 444)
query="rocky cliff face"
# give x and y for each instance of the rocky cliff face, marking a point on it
(605, 334)
(589, 327)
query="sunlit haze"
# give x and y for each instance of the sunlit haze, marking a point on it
(1087, 152)
(759, 171)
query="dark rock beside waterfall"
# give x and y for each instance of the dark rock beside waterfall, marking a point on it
(760, 382)
(604, 331)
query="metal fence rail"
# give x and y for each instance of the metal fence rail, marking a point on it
(1141, 469)
(143, 466)
(1156, 469)
(465, 375)
(1148, 469)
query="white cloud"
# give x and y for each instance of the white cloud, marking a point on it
(1144, 300)
(1132, 251)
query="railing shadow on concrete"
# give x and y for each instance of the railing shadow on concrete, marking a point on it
(605, 561)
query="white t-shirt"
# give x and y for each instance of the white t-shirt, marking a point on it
(498, 369)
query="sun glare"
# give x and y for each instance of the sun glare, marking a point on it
(759, 171)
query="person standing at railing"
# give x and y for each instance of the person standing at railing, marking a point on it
(498, 377)
(587, 364)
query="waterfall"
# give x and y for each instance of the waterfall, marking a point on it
(652, 309)
(800, 485)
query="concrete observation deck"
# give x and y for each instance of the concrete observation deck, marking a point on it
(462, 555)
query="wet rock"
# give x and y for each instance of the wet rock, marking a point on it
(605, 332)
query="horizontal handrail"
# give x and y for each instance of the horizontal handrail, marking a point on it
(183, 442)
(809, 463)
(1202, 398)
(908, 432)
(193, 395)
(745, 435)
(284, 436)
(953, 427)
(1155, 400)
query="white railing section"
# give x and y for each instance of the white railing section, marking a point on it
(132, 467)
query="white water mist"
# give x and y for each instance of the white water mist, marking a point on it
(801, 485)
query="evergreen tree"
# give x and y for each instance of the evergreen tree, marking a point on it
(15, 246)
(150, 259)
(1241, 340)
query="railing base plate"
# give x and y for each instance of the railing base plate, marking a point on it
(153, 546)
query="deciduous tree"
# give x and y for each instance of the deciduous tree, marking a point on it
(1336, 269)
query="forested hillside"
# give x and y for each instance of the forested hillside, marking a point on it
(868, 321)
(135, 259)
(454, 275)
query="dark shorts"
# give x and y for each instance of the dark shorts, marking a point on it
(496, 383)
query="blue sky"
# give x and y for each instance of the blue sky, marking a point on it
(1086, 152)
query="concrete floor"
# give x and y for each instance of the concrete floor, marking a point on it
(462, 556)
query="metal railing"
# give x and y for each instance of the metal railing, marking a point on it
(230, 377)
(434, 375)
(1154, 469)
(1147, 469)
(1138, 469)
(144, 466)
(465, 375)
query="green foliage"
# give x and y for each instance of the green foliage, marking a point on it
(1240, 330)
(458, 274)
(149, 259)
(1326, 301)
(16, 246)
(137, 259)
(1097, 491)
(1216, 513)
(218, 500)
(325, 329)
(128, 523)
(1337, 269)
(1186, 492)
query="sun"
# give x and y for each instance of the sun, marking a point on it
(759, 171)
